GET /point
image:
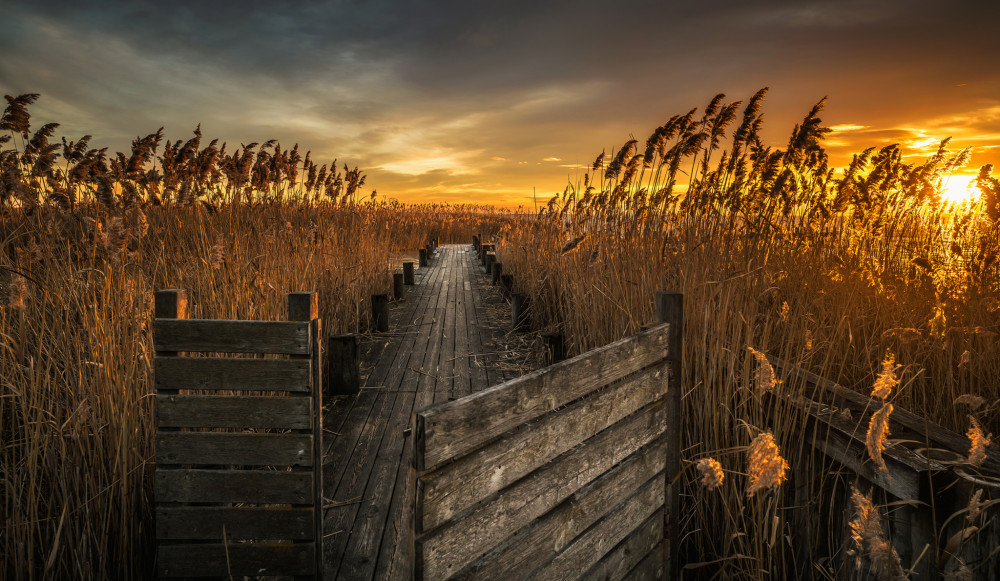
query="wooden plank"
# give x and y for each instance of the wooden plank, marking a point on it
(458, 427)
(282, 337)
(252, 486)
(618, 562)
(236, 560)
(240, 522)
(221, 411)
(466, 539)
(540, 541)
(458, 486)
(650, 568)
(363, 544)
(246, 449)
(588, 548)
(208, 373)
(839, 395)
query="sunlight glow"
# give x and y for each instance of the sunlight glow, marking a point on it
(959, 188)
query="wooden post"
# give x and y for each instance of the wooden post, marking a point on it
(507, 284)
(475, 242)
(408, 272)
(170, 304)
(555, 349)
(497, 269)
(423, 257)
(490, 259)
(304, 306)
(380, 311)
(430, 251)
(670, 309)
(519, 311)
(342, 353)
(397, 285)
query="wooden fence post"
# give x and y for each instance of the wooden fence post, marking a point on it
(519, 311)
(670, 309)
(490, 259)
(344, 365)
(408, 272)
(397, 285)
(380, 310)
(423, 256)
(497, 269)
(304, 306)
(555, 348)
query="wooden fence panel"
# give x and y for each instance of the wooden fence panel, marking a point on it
(559, 474)
(237, 503)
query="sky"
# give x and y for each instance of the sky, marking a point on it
(478, 101)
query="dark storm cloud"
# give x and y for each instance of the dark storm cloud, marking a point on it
(441, 88)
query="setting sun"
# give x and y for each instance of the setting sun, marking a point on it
(959, 188)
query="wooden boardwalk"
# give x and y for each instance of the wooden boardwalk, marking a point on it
(441, 346)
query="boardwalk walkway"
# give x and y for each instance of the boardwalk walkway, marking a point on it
(441, 346)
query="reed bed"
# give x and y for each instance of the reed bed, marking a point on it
(776, 252)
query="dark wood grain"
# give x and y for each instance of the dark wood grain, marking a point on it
(458, 427)
(230, 374)
(240, 522)
(251, 486)
(236, 560)
(241, 449)
(281, 337)
(210, 411)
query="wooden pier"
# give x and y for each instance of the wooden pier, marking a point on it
(441, 345)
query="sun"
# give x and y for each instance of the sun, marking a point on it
(959, 188)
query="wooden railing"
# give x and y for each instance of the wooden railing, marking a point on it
(561, 473)
(238, 476)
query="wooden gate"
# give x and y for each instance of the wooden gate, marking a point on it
(563, 473)
(238, 477)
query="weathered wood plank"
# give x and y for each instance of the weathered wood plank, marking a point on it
(234, 448)
(211, 373)
(362, 551)
(252, 486)
(221, 411)
(458, 427)
(467, 538)
(650, 568)
(236, 559)
(536, 544)
(618, 562)
(240, 522)
(282, 337)
(455, 487)
(588, 548)
(831, 392)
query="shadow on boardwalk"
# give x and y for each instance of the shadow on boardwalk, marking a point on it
(445, 341)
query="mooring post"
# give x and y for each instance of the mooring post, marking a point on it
(497, 269)
(380, 311)
(555, 350)
(490, 259)
(507, 284)
(670, 309)
(408, 272)
(519, 311)
(397, 285)
(344, 359)
(423, 257)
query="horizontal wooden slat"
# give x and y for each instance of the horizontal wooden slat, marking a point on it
(588, 548)
(221, 411)
(232, 448)
(253, 486)
(467, 481)
(617, 563)
(285, 337)
(240, 522)
(173, 373)
(541, 540)
(836, 394)
(651, 568)
(467, 538)
(455, 428)
(236, 560)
